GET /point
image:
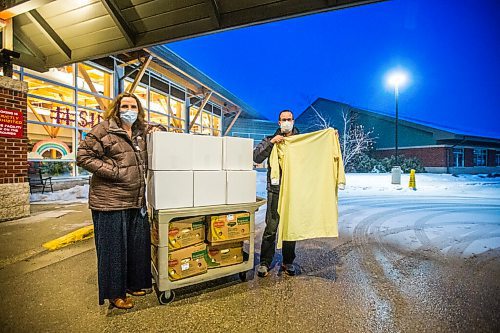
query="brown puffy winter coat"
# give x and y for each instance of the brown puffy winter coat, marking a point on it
(118, 165)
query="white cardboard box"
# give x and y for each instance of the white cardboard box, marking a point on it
(241, 187)
(237, 153)
(170, 151)
(170, 189)
(209, 188)
(207, 152)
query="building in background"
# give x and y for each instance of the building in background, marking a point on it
(440, 149)
(65, 103)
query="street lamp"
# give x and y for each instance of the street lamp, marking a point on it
(396, 79)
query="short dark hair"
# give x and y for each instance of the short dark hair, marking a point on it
(282, 111)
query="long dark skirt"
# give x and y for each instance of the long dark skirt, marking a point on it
(123, 246)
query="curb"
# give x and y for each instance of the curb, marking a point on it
(73, 237)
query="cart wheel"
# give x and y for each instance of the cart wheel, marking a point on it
(166, 297)
(243, 276)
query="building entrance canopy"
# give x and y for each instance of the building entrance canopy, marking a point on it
(52, 33)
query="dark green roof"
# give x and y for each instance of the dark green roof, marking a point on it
(416, 130)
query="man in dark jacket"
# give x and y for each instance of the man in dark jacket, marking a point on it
(260, 153)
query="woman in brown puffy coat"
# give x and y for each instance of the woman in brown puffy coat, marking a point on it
(115, 152)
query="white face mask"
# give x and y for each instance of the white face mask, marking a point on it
(286, 126)
(128, 117)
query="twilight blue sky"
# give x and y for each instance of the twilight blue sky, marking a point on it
(450, 48)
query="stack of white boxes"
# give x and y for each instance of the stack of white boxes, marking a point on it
(192, 170)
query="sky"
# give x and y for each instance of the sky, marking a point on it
(449, 48)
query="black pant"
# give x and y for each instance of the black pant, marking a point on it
(123, 246)
(269, 236)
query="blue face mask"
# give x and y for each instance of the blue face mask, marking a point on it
(128, 117)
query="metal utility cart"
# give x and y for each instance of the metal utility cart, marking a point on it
(164, 286)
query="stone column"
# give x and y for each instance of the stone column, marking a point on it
(14, 186)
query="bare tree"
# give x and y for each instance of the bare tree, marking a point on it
(354, 139)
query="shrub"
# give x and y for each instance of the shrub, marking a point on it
(55, 168)
(365, 163)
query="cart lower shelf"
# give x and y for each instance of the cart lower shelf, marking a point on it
(165, 288)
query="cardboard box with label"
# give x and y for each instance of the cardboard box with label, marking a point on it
(184, 233)
(220, 255)
(187, 262)
(227, 227)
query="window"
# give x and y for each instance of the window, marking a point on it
(479, 158)
(93, 101)
(50, 112)
(197, 122)
(206, 120)
(89, 118)
(141, 92)
(158, 102)
(177, 115)
(217, 125)
(48, 89)
(458, 157)
(64, 75)
(94, 80)
(47, 142)
(497, 158)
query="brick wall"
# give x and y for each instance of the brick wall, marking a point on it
(430, 156)
(13, 151)
(14, 187)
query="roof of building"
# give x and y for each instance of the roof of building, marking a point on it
(439, 132)
(52, 33)
(194, 73)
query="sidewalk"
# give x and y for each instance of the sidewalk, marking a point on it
(23, 238)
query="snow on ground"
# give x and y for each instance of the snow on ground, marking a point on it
(433, 216)
(427, 184)
(357, 184)
(77, 194)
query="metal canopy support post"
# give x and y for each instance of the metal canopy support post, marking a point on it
(118, 78)
(47, 30)
(139, 75)
(232, 122)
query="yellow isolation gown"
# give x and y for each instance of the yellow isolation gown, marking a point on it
(312, 170)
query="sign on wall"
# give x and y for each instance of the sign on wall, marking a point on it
(11, 123)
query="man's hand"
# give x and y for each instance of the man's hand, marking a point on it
(277, 139)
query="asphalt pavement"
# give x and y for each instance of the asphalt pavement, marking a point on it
(364, 281)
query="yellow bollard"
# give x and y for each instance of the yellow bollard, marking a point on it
(413, 182)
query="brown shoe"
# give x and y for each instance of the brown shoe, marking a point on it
(139, 292)
(122, 303)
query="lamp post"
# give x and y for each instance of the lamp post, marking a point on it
(396, 94)
(396, 79)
